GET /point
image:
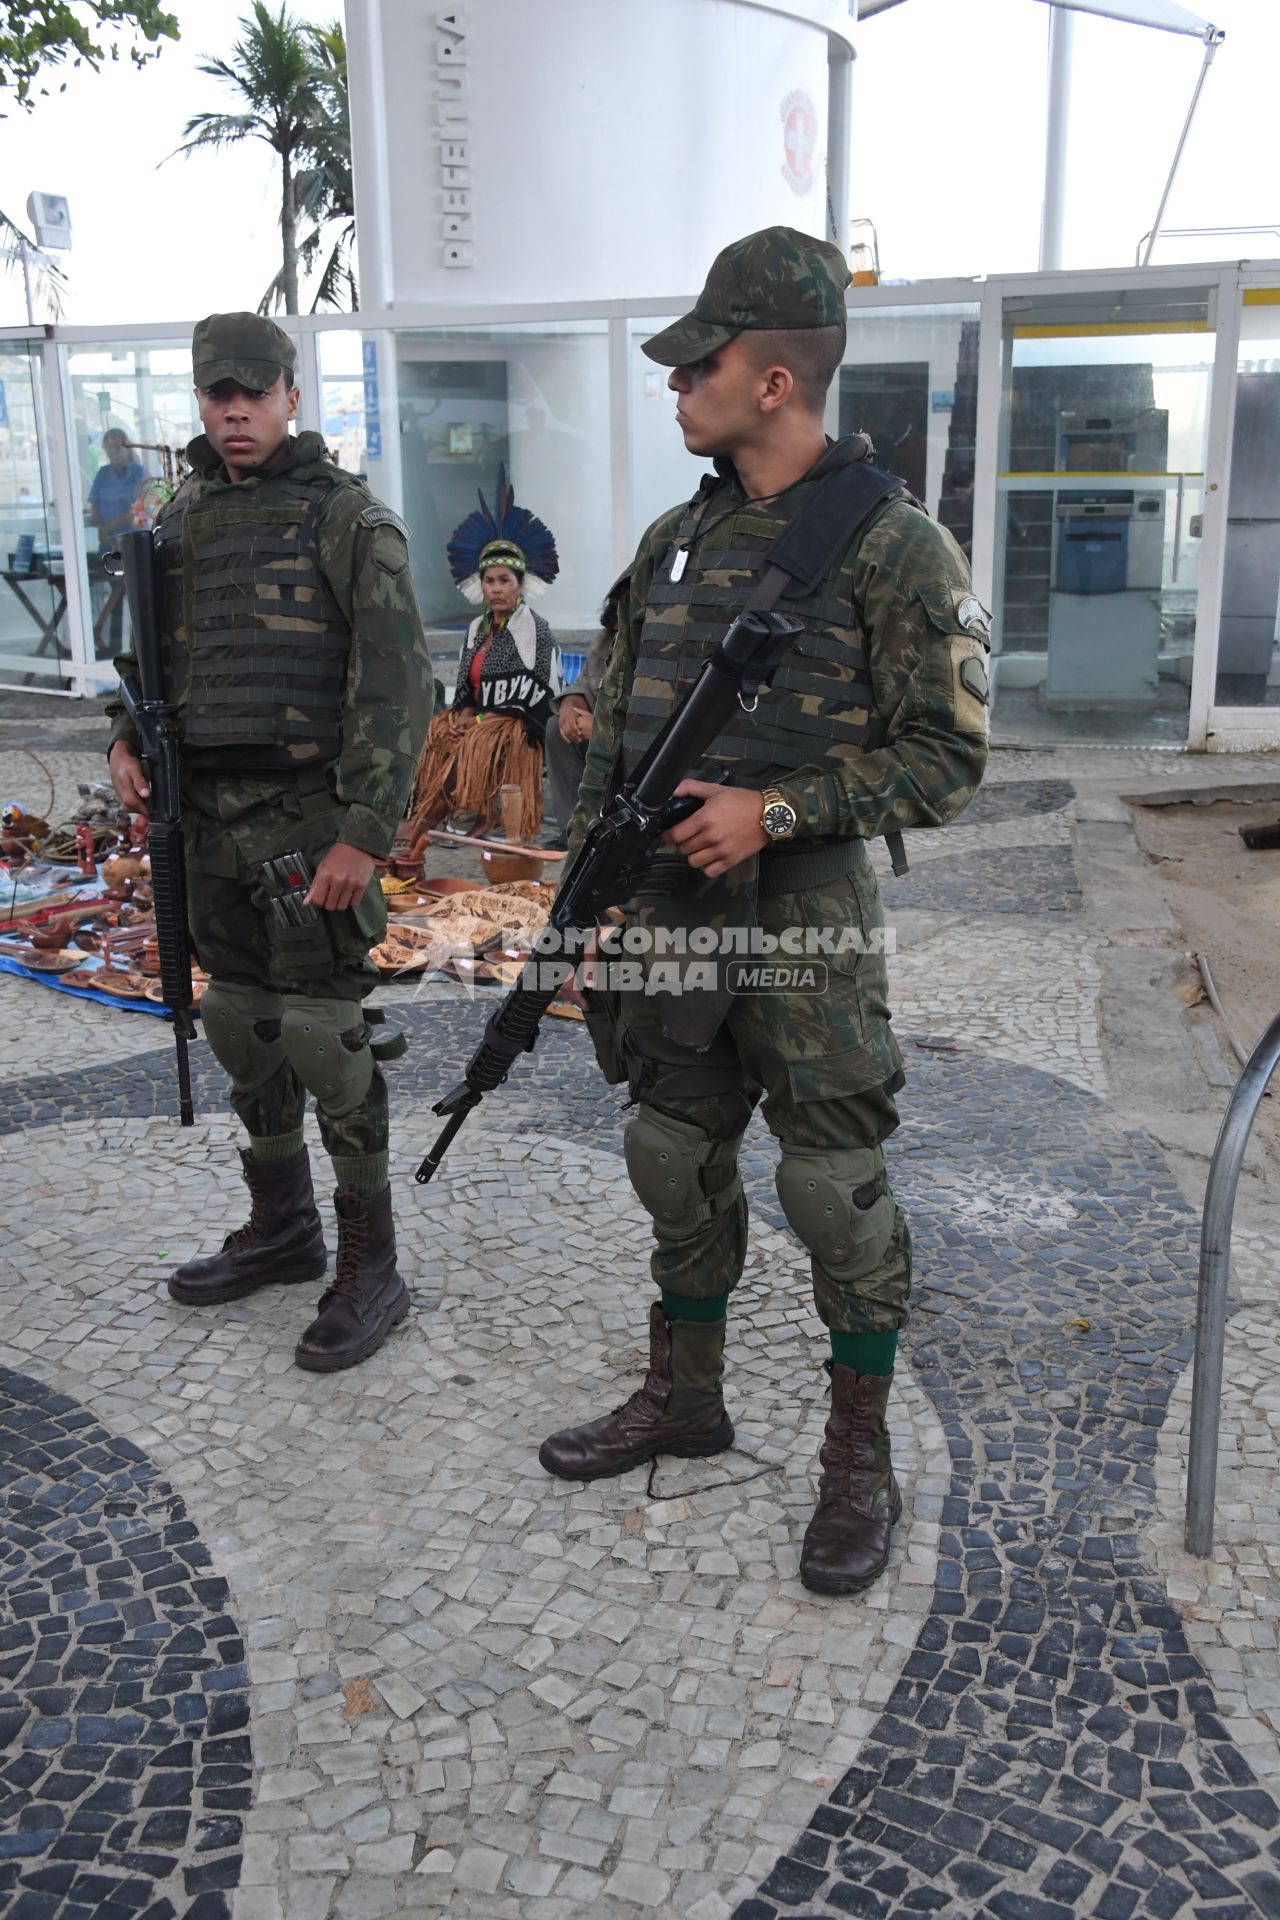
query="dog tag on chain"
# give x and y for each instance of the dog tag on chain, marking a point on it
(679, 564)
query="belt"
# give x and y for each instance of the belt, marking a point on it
(798, 869)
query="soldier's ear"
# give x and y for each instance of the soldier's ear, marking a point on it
(294, 393)
(777, 384)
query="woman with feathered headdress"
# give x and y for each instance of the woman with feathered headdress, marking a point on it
(509, 675)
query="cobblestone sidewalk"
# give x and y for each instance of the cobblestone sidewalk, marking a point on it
(280, 1647)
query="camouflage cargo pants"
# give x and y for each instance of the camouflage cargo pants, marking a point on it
(230, 828)
(826, 1065)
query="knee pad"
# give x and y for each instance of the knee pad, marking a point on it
(681, 1177)
(327, 1044)
(838, 1202)
(242, 1026)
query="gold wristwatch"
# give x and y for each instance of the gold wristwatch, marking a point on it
(777, 816)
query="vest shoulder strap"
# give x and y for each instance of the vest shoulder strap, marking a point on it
(830, 520)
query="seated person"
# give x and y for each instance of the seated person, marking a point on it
(509, 675)
(569, 729)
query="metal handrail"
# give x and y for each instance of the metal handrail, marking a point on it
(1211, 1303)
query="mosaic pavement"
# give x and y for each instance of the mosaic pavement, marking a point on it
(287, 1648)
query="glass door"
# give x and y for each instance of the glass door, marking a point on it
(1100, 496)
(133, 411)
(34, 646)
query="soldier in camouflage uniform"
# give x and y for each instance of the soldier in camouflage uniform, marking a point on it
(877, 720)
(295, 654)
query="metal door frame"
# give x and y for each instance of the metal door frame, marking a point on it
(1225, 729)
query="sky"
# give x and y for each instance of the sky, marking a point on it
(948, 146)
(949, 128)
(152, 238)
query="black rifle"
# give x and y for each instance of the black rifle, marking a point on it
(157, 726)
(619, 844)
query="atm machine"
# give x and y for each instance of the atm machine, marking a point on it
(1107, 563)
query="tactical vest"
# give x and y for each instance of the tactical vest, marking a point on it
(820, 709)
(256, 645)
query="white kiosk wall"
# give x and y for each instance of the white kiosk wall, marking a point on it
(537, 150)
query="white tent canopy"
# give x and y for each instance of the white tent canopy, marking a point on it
(1139, 13)
(1145, 13)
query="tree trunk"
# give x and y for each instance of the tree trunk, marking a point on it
(289, 236)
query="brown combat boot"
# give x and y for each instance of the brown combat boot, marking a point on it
(281, 1243)
(678, 1410)
(846, 1545)
(367, 1297)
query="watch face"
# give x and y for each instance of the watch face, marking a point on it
(778, 819)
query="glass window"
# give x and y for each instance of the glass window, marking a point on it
(663, 472)
(1248, 655)
(33, 592)
(1103, 425)
(133, 412)
(910, 381)
(430, 416)
(342, 357)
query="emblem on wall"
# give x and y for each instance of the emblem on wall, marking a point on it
(799, 139)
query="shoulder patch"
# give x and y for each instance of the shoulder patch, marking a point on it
(379, 516)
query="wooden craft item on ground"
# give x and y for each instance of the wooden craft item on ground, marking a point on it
(498, 846)
(41, 960)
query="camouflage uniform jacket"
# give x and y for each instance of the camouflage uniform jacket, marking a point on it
(389, 684)
(910, 585)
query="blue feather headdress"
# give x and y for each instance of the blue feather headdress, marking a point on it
(503, 535)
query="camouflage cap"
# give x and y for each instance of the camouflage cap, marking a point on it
(775, 278)
(244, 347)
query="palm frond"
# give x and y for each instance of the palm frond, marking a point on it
(218, 130)
(50, 281)
(337, 288)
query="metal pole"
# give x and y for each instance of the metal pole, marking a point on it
(1061, 36)
(1211, 1305)
(839, 125)
(1213, 39)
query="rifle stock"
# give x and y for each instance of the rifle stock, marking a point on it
(156, 722)
(618, 846)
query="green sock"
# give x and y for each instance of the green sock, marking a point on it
(276, 1146)
(864, 1352)
(367, 1175)
(679, 1306)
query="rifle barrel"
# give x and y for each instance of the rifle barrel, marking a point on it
(444, 1140)
(186, 1111)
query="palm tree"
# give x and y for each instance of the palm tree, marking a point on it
(272, 70)
(323, 187)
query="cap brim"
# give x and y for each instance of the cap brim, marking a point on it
(256, 375)
(688, 341)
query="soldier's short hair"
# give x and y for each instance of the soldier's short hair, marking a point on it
(810, 355)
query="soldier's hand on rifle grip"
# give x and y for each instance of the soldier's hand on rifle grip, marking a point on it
(724, 831)
(128, 778)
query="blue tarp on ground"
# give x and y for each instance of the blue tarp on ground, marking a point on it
(9, 965)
